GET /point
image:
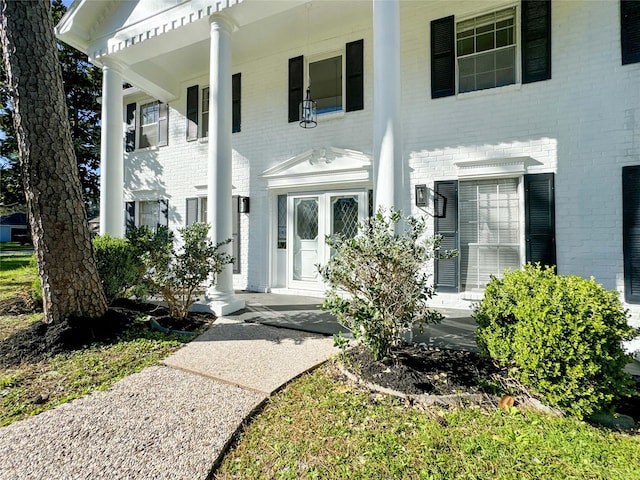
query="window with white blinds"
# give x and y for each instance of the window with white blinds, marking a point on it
(149, 214)
(489, 230)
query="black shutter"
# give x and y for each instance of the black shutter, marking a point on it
(631, 232)
(355, 76)
(192, 211)
(536, 40)
(540, 223)
(163, 213)
(443, 57)
(236, 95)
(129, 215)
(630, 31)
(192, 112)
(130, 135)
(296, 81)
(235, 233)
(163, 124)
(445, 204)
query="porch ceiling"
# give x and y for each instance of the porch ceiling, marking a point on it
(170, 46)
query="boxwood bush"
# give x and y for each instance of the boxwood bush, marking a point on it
(119, 266)
(560, 335)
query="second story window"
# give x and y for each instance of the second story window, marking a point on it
(336, 82)
(153, 125)
(204, 113)
(198, 109)
(486, 51)
(325, 80)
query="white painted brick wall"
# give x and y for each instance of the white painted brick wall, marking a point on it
(583, 124)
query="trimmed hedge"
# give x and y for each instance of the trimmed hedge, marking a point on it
(560, 335)
(119, 266)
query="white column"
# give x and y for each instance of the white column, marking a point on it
(387, 136)
(111, 152)
(220, 297)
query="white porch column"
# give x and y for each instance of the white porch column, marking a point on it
(387, 136)
(111, 152)
(220, 297)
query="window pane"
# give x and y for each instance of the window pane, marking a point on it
(505, 77)
(149, 214)
(282, 221)
(149, 113)
(467, 66)
(465, 46)
(506, 58)
(485, 80)
(325, 81)
(489, 230)
(489, 62)
(504, 37)
(148, 136)
(203, 209)
(204, 109)
(485, 63)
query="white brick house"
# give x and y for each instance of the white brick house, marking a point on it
(511, 124)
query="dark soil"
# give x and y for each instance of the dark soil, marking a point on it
(40, 340)
(416, 370)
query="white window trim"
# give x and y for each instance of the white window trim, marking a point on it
(494, 167)
(309, 59)
(518, 60)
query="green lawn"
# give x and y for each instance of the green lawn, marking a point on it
(30, 388)
(15, 246)
(16, 273)
(318, 427)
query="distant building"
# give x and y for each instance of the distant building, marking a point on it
(13, 228)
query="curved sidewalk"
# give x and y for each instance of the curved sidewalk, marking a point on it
(166, 422)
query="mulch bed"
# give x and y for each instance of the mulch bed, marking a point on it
(418, 370)
(40, 340)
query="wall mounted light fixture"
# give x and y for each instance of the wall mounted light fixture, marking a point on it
(243, 205)
(421, 195)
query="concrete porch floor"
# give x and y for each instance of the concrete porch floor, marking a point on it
(303, 313)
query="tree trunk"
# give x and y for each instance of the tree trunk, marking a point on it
(66, 265)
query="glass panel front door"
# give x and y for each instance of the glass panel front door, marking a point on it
(310, 218)
(305, 238)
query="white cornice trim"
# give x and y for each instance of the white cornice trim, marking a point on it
(495, 167)
(160, 22)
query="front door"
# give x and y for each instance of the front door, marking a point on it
(311, 217)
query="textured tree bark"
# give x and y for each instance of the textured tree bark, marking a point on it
(66, 265)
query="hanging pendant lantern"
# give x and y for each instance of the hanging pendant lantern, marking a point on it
(308, 114)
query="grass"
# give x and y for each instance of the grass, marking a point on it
(15, 246)
(16, 272)
(31, 388)
(318, 427)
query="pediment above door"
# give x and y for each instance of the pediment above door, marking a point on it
(321, 167)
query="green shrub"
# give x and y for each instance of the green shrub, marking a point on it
(560, 335)
(383, 276)
(176, 275)
(119, 266)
